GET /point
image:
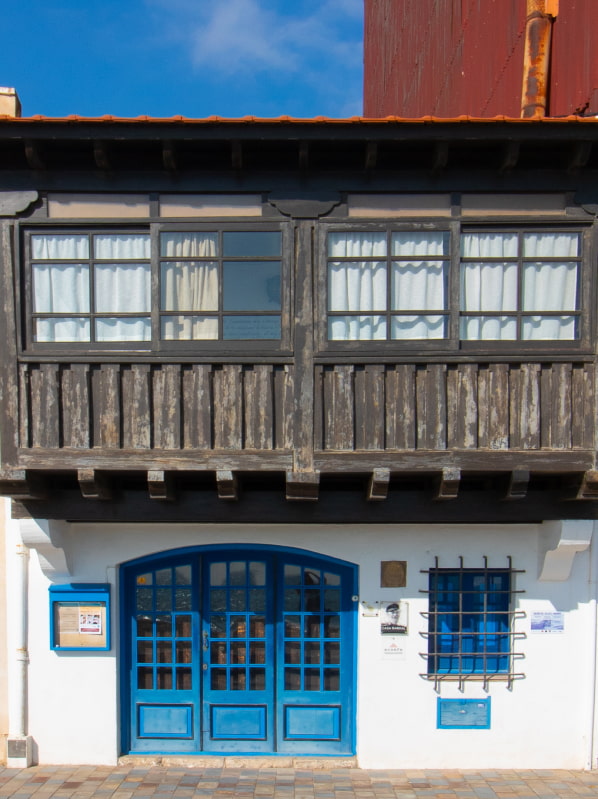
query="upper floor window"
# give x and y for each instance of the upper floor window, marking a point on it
(498, 285)
(110, 287)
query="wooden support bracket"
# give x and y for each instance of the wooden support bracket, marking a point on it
(371, 155)
(448, 487)
(303, 155)
(33, 155)
(236, 154)
(160, 485)
(169, 156)
(100, 155)
(518, 484)
(510, 156)
(303, 486)
(227, 485)
(94, 484)
(588, 488)
(378, 485)
(20, 485)
(441, 154)
(580, 155)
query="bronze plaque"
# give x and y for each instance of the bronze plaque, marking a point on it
(393, 573)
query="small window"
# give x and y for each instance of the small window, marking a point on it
(387, 286)
(469, 623)
(520, 286)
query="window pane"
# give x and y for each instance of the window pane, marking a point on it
(418, 327)
(489, 245)
(61, 288)
(551, 245)
(123, 330)
(490, 328)
(356, 328)
(251, 286)
(251, 327)
(354, 286)
(122, 246)
(189, 245)
(415, 243)
(122, 288)
(550, 287)
(61, 246)
(354, 244)
(189, 286)
(549, 328)
(489, 287)
(61, 330)
(251, 243)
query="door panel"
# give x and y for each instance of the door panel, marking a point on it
(240, 651)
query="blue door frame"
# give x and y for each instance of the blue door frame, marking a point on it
(238, 649)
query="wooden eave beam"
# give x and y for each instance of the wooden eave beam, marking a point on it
(510, 156)
(371, 155)
(94, 484)
(303, 155)
(580, 155)
(236, 154)
(378, 485)
(227, 485)
(169, 156)
(518, 484)
(448, 486)
(20, 485)
(160, 485)
(441, 155)
(588, 488)
(100, 155)
(302, 486)
(33, 154)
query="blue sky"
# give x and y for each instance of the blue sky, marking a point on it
(191, 57)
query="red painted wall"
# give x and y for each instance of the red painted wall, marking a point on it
(452, 57)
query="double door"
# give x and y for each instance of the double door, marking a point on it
(240, 652)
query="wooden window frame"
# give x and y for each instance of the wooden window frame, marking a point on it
(157, 345)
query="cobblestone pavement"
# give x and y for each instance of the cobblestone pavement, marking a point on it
(155, 782)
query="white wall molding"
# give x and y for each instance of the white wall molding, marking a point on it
(559, 542)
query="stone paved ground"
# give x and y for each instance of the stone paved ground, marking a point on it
(155, 782)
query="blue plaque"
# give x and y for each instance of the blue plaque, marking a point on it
(463, 714)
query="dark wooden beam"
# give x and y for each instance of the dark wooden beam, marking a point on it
(302, 486)
(580, 155)
(518, 484)
(441, 154)
(94, 484)
(510, 156)
(20, 485)
(160, 485)
(371, 155)
(303, 155)
(227, 485)
(33, 154)
(236, 154)
(378, 485)
(169, 158)
(448, 487)
(100, 155)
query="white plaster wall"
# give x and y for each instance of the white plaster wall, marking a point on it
(545, 720)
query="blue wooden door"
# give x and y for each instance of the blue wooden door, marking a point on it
(234, 651)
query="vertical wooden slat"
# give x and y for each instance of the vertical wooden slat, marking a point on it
(582, 406)
(106, 404)
(529, 407)
(137, 417)
(197, 406)
(228, 407)
(24, 405)
(76, 418)
(561, 406)
(400, 407)
(431, 407)
(259, 407)
(546, 415)
(166, 396)
(462, 406)
(493, 406)
(45, 409)
(284, 417)
(369, 407)
(339, 407)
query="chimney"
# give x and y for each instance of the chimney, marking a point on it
(10, 105)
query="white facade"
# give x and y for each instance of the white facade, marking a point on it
(545, 720)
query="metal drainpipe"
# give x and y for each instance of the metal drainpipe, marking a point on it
(536, 59)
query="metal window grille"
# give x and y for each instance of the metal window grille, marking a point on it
(471, 624)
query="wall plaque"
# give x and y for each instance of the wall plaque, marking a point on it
(464, 714)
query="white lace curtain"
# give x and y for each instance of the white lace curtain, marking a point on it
(492, 285)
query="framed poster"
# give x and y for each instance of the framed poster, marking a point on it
(80, 616)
